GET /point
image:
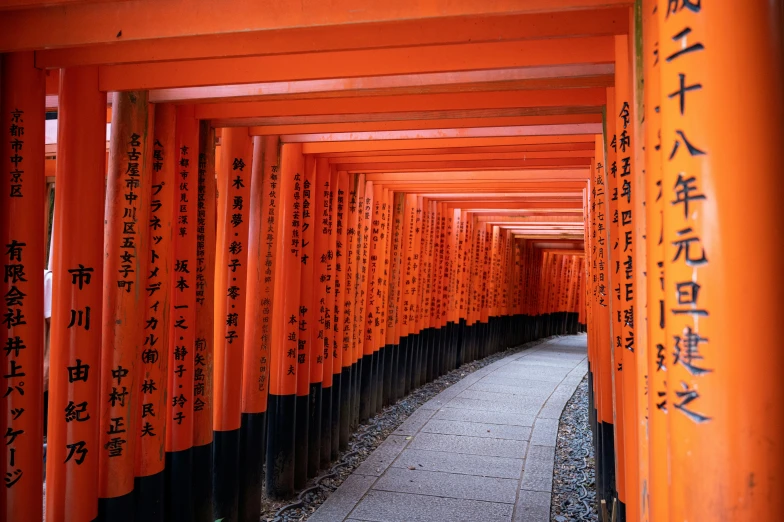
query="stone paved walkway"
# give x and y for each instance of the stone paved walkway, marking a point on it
(481, 450)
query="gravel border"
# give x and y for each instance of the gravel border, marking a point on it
(574, 486)
(369, 435)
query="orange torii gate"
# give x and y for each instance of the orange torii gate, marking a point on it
(455, 148)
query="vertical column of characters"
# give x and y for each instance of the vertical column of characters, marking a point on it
(366, 285)
(125, 245)
(658, 443)
(75, 354)
(285, 326)
(349, 269)
(332, 300)
(446, 268)
(416, 295)
(320, 211)
(373, 313)
(323, 283)
(395, 285)
(305, 337)
(627, 223)
(436, 290)
(408, 296)
(358, 188)
(22, 204)
(421, 282)
(604, 242)
(343, 298)
(427, 266)
(262, 230)
(329, 446)
(150, 438)
(389, 298)
(721, 116)
(235, 180)
(616, 305)
(461, 285)
(205, 325)
(182, 324)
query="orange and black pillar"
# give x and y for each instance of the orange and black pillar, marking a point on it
(285, 326)
(22, 189)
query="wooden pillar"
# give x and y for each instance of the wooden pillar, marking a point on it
(343, 299)
(329, 402)
(658, 483)
(332, 300)
(75, 354)
(356, 189)
(602, 294)
(125, 263)
(205, 326)
(150, 438)
(262, 230)
(182, 324)
(22, 203)
(320, 369)
(395, 233)
(285, 326)
(307, 313)
(722, 75)
(231, 260)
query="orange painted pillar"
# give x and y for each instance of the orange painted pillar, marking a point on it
(429, 291)
(307, 314)
(367, 285)
(601, 247)
(285, 326)
(125, 263)
(22, 204)
(658, 440)
(182, 324)
(320, 446)
(417, 279)
(330, 343)
(373, 306)
(627, 222)
(394, 229)
(231, 260)
(721, 135)
(205, 326)
(153, 364)
(617, 283)
(261, 248)
(353, 277)
(333, 301)
(75, 353)
(344, 297)
(436, 295)
(396, 367)
(382, 296)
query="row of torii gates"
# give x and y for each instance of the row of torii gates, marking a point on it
(311, 209)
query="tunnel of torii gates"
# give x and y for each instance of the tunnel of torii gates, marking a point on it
(311, 209)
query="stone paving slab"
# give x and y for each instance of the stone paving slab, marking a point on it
(480, 465)
(451, 485)
(481, 450)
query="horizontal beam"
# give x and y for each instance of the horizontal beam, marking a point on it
(407, 125)
(396, 33)
(91, 23)
(413, 144)
(464, 165)
(356, 63)
(502, 149)
(536, 102)
(518, 78)
(462, 157)
(482, 175)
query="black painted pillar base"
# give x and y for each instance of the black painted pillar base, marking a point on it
(345, 408)
(225, 474)
(314, 429)
(366, 388)
(202, 483)
(281, 412)
(118, 508)
(252, 449)
(149, 497)
(325, 438)
(334, 437)
(402, 365)
(301, 434)
(390, 371)
(179, 492)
